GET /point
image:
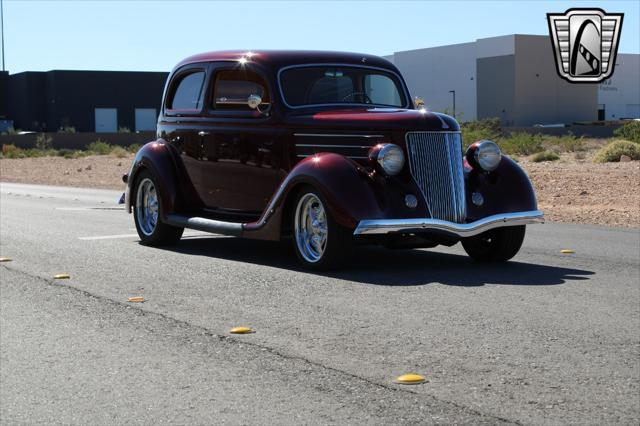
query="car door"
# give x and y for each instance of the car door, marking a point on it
(182, 118)
(241, 156)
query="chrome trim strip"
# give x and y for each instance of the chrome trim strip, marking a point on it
(333, 146)
(348, 156)
(463, 230)
(337, 135)
(407, 104)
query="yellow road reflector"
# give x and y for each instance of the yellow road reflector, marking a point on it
(61, 277)
(241, 330)
(136, 299)
(567, 251)
(5, 259)
(410, 379)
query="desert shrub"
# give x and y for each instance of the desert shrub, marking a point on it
(545, 156)
(568, 143)
(43, 142)
(521, 143)
(133, 148)
(119, 152)
(11, 131)
(629, 131)
(99, 147)
(473, 131)
(12, 151)
(123, 129)
(67, 129)
(613, 151)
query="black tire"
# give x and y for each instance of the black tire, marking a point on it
(339, 243)
(495, 245)
(160, 234)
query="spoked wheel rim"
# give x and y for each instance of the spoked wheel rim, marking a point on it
(147, 206)
(311, 228)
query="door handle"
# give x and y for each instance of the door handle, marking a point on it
(203, 134)
(264, 150)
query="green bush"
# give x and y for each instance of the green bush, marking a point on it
(123, 129)
(568, 143)
(545, 156)
(629, 131)
(12, 151)
(521, 143)
(473, 131)
(134, 148)
(43, 142)
(613, 151)
(119, 152)
(99, 147)
(67, 129)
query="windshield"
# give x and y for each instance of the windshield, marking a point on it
(321, 85)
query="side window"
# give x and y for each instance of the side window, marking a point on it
(232, 88)
(188, 92)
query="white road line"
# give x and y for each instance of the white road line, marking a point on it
(108, 237)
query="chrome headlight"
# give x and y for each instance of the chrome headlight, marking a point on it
(487, 155)
(391, 159)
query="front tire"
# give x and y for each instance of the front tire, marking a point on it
(319, 242)
(495, 245)
(146, 214)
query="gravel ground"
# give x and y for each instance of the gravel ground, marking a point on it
(569, 190)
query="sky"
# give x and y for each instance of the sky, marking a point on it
(148, 35)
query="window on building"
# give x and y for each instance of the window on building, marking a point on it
(188, 93)
(233, 87)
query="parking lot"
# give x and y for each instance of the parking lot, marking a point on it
(547, 338)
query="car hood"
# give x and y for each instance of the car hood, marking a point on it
(375, 118)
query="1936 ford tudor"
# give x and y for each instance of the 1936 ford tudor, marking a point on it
(327, 148)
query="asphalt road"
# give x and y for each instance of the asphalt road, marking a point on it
(545, 339)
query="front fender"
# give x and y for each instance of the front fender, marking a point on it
(505, 190)
(345, 186)
(157, 158)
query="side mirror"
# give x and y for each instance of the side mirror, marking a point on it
(254, 101)
(419, 102)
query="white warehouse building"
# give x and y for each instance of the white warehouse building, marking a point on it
(514, 78)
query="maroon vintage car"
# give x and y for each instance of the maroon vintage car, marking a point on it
(327, 148)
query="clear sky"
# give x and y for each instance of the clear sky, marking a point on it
(150, 35)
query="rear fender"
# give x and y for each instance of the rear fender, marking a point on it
(156, 157)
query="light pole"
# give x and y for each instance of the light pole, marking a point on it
(2, 31)
(454, 102)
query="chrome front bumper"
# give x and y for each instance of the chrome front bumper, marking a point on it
(384, 226)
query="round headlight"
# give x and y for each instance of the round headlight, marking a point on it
(487, 155)
(391, 159)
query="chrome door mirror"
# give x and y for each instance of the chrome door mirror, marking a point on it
(419, 102)
(254, 101)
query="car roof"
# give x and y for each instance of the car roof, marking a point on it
(282, 58)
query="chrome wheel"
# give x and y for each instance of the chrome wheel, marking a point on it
(147, 206)
(310, 228)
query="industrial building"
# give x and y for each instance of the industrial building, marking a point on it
(514, 77)
(89, 101)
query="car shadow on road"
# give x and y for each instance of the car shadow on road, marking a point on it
(379, 266)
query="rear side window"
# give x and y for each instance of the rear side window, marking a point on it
(188, 92)
(233, 87)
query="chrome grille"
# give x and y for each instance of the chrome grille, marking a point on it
(435, 161)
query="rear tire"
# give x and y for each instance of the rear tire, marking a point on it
(495, 245)
(319, 242)
(147, 211)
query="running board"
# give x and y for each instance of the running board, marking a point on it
(206, 225)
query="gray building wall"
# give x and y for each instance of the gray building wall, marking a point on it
(512, 77)
(496, 88)
(619, 95)
(541, 96)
